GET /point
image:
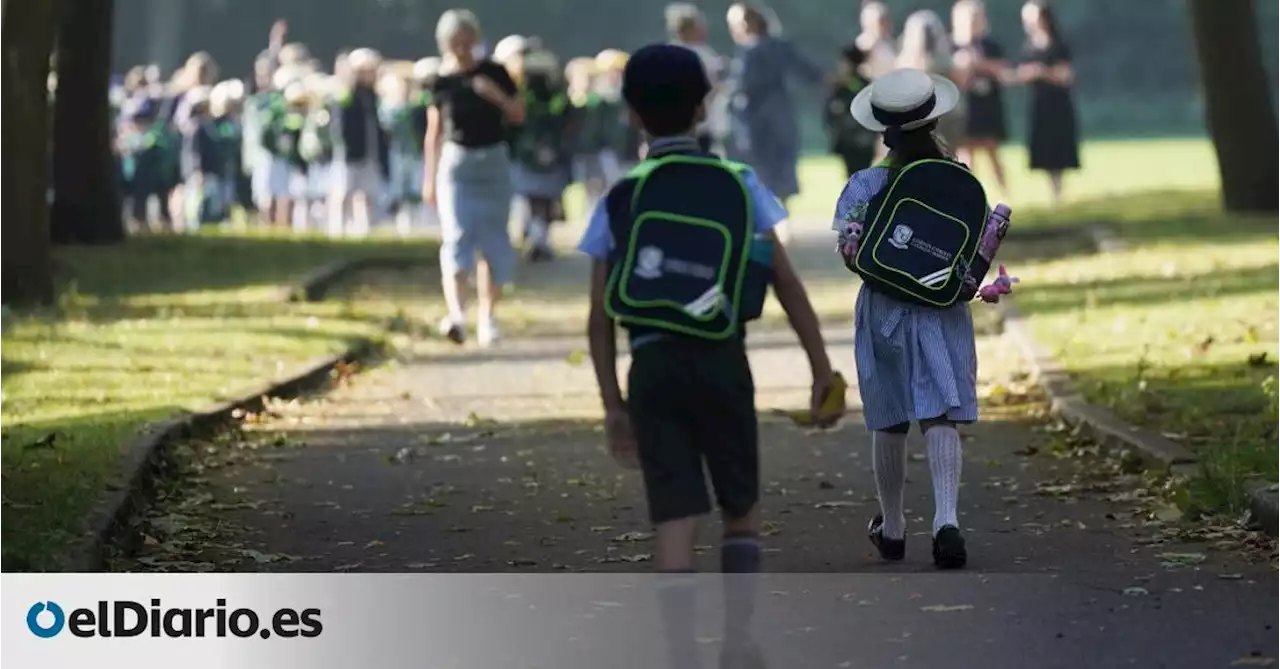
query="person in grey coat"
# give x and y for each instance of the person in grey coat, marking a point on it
(765, 134)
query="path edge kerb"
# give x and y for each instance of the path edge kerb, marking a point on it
(316, 285)
(146, 459)
(1067, 404)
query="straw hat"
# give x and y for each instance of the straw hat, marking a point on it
(234, 90)
(509, 47)
(611, 60)
(297, 93)
(580, 66)
(541, 61)
(363, 60)
(426, 68)
(906, 99)
(286, 76)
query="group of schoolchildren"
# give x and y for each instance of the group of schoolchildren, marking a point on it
(202, 149)
(684, 248)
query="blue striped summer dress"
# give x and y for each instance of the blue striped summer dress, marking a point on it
(914, 363)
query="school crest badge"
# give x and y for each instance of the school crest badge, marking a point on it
(649, 263)
(901, 237)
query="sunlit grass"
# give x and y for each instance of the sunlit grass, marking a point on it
(1178, 332)
(142, 332)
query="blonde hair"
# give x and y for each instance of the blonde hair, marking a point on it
(293, 53)
(199, 70)
(451, 23)
(966, 17)
(925, 43)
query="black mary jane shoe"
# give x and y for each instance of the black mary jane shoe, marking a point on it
(948, 548)
(892, 550)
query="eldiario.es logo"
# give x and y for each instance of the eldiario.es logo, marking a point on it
(123, 618)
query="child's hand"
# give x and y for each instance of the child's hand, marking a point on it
(621, 438)
(826, 400)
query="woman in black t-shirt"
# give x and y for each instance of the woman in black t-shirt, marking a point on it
(467, 175)
(984, 60)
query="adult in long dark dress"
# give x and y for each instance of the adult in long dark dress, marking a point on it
(765, 133)
(1053, 141)
(983, 58)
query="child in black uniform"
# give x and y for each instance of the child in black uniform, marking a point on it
(668, 246)
(854, 144)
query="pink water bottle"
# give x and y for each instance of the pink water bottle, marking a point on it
(993, 233)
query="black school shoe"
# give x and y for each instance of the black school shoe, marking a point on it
(540, 254)
(948, 548)
(892, 550)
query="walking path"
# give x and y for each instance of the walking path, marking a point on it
(469, 460)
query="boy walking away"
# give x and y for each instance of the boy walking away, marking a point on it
(541, 170)
(684, 250)
(585, 136)
(621, 138)
(145, 159)
(201, 164)
(283, 138)
(854, 144)
(225, 105)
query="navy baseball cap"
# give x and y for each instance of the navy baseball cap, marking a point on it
(662, 75)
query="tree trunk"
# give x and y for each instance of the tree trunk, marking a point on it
(27, 267)
(86, 207)
(1237, 97)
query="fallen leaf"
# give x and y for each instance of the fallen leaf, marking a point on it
(1230, 577)
(420, 565)
(629, 537)
(836, 504)
(576, 357)
(522, 562)
(945, 608)
(349, 567)
(374, 544)
(1135, 591)
(1173, 560)
(481, 508)
(638, 557)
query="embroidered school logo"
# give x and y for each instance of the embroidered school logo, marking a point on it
(649, 263)
(901, 237)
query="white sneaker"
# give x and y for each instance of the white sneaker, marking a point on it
(487, 333)
(453, 330)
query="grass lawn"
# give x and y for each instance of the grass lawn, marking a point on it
(1177, 333)
(141, 332)
(1110, 167)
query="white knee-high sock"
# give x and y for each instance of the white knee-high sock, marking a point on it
(889, 459)
(943, 444)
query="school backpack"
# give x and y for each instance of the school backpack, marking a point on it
(687, 259)
(920, 238)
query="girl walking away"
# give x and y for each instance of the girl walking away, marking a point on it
(983, 58)
(468, 173)
(541, 170)
(225, 104)
(621, 138)
(586, 137)
(283, 138)
(854, 144)
(201, 164)
(1053, 141)
(913, 337)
